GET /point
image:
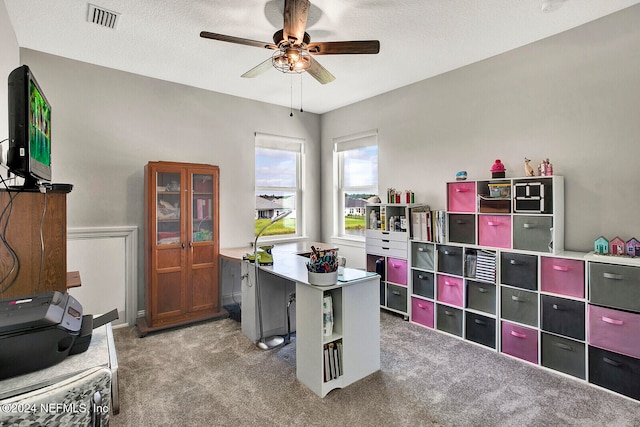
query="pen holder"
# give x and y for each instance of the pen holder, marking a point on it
(323, 279)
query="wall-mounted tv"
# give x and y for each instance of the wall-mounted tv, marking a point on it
(29, 154)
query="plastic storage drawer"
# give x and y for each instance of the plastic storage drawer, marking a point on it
(519, 306)
(481, 329)
(563, 316)
(614, 286)
(520, 342)
(397, 297)
(422, 312)
(562, 276)
(481, 296)
(422, 255)
(614, 330)
(422, 283)
(461, 197)
(615, 372)
(519, 270)
(397, 271)
(494, 231)
(532, 233)
(450, 290)
(449, 319)
(450, 260)
(462, 228)
(563, 354)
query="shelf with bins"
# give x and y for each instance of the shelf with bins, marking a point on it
(387, 235)
(510, 213)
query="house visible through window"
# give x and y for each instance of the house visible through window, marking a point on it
(277, 185)
(357, 164)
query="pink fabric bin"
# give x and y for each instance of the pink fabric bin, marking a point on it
(422, 312)
(614, 330)
(520, 342)
(450, 290)
(461, 197)
(494, 231)
(397, 271)
(562, 276)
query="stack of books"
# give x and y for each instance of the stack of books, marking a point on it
(332, 360)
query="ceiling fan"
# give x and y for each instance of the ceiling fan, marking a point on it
(293, 47)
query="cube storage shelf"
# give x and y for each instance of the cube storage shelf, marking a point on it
(573, 313)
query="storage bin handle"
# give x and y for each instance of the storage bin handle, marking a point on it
(560, 268)
(420, 249)
(448, 313)
(528, 225)
(479, 322)
(462, 190)
(514, 262)
(461, 221)
(422, 306)
(556, 307)
(612, 276)
(448, 283)
(611, 321)
(518, 299)
(563, 346)
(518, 334)
(611, 362)
(394, 265)
(494, 223)
(420, 276)
(396, 293)
(482, 290)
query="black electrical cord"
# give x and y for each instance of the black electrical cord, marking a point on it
(15, 261)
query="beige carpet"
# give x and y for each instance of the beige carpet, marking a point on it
(210, 374)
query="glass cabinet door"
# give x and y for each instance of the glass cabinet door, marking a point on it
(168, 193)
(202, 207)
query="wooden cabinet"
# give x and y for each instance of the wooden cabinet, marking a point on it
(33, 255)
(181, 244)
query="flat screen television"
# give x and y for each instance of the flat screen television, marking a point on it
(29, 154)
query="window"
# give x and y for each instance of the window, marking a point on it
(278, 185)
(357, 166)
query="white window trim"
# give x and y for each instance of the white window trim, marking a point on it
(292, 144)
(341, 144)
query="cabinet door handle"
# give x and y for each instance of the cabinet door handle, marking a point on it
(386, 241)
(182, 244)
(612, 276)
(611, 362)
(386, 233)
(563, 346)
(518, 299)
(482, 290)
(528, 225)
(494, 223)
(518, 334)
(190, 244)
(386, 249)
(611, 321)
(560, 268)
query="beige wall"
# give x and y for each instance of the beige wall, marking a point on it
(9, 59)
(573, 98)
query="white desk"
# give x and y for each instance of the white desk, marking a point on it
(356, 309)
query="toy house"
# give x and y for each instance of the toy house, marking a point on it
(633, 247)
(601, 245)
(617, 246)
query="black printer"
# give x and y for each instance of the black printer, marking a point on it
(41, 330)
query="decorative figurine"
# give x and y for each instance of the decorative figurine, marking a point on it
(528, 170)
(497, 170)
(601, 245)
(461, 175)
(545, 168)
(633, 247)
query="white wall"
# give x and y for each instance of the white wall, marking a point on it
(573, 98)
(9, 59)
(107, 124)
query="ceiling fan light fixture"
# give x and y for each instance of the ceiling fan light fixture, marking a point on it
(291, 60)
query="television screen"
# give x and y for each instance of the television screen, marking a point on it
(29, 154)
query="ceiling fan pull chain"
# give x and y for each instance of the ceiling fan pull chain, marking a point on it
(291, 100)
(301, 94)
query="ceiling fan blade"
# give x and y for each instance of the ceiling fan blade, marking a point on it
(237, 40)
(338, 48)
(320, 73)
(258, 69)
(295, 19)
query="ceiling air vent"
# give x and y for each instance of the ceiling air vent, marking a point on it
(103, 17)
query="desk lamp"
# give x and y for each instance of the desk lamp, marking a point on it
(276, 340)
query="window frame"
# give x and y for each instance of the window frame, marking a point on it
(287, 144)
(340, 146)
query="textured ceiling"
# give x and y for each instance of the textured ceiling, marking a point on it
(418, 39)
